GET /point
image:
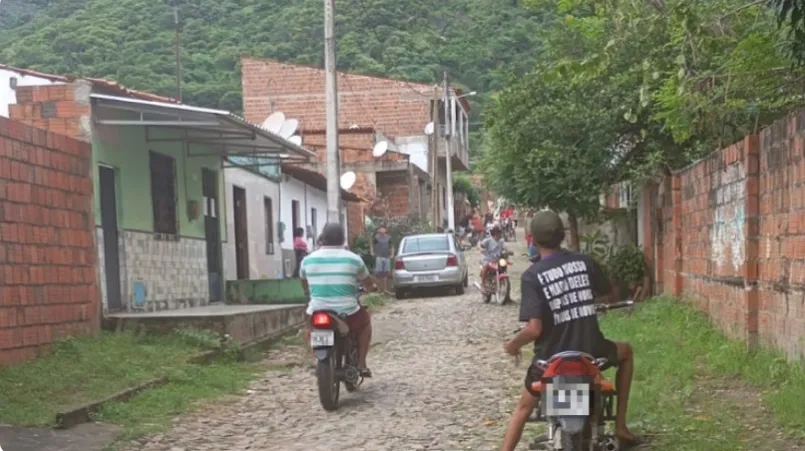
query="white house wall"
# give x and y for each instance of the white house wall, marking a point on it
(8, 96)
(416, 147)
(261, 264)
(308, 198)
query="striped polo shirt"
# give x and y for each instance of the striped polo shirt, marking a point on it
(333, 274)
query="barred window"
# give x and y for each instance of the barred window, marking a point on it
(163, 193)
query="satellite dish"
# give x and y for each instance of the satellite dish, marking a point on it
(348, 180)
(288, 128)
(354, 126)
(296, 140)
(429, 129)
(380, 149)
(274, 122)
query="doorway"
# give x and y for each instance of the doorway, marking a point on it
(212, 233)
(111, 249)
(241, 233)
(294, 216)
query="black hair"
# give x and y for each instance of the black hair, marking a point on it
(332, 235)
(297, 232)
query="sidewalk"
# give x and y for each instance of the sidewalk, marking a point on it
(85, 437)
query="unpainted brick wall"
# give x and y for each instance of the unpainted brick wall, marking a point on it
(730, 235)
(48, 281)
(53, 108)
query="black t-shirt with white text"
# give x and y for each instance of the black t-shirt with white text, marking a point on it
(560, 290)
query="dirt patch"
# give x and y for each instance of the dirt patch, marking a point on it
(745, 405)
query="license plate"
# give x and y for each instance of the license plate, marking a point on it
(426, 278)
(322, 338)
(566, 400)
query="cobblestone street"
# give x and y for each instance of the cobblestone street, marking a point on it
(441, 382)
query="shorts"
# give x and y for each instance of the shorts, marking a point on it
(357, 321)
(607, 350)
(382, 265)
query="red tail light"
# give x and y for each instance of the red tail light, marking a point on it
(322, 320)
(452, 260)
(399, 264)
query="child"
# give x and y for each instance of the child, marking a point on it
(299, 248)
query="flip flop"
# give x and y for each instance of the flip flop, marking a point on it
(635, 443)
(366, 373)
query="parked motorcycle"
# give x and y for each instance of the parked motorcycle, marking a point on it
(497, 284)
(576, 400)
(336, 351)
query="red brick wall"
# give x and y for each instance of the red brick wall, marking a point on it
(729, 234)
(52, 108)
(48, 283)
(401, 108)
(393, 188)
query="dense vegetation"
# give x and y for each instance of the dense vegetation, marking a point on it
(477, 41)
(622, 90)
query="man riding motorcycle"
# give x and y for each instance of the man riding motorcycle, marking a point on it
(491, 247)
(547, 285)
(330, 276)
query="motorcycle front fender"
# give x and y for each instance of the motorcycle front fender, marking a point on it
(572, 425)
(322, 353)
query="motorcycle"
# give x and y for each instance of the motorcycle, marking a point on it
(497, 283)
(576, 400)
(508, 227)
(336, 351)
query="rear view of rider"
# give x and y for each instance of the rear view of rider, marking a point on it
(547, 285)
(330, 276)
(491, 248)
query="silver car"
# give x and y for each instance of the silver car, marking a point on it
(429, 261)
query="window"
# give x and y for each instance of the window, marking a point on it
(163, 193)
(269, 207)
(313, 223)
(432, 243)
(294, 216)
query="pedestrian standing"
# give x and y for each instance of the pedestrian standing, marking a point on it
(299, 248)
(382, 249)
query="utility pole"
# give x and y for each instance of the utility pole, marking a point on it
(451, 117)
(331, 86)
(178, 51)
(434, 158)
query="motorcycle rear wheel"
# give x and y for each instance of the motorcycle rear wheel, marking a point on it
(329, 385)
(572, 442)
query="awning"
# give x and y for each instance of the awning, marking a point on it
(230, 135)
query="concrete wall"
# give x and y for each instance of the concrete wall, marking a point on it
(729, 233)
(8, 96)
(262, 264)
(48, 283)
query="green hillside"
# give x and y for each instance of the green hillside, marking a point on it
(132, 41)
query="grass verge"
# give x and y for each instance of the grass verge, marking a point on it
(85, 369)
(373, 301)
(676, 348)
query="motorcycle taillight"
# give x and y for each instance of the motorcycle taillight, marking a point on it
(321, 320)
(574, 367)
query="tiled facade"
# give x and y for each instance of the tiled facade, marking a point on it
(173, 273)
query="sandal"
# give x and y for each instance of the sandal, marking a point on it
(366, 373)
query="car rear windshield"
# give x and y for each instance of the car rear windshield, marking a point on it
(426, 244)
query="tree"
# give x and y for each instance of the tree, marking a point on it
(462, 184)
(550, 145)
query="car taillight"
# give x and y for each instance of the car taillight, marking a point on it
(399, 264)
(452, 260)
(321, 320)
